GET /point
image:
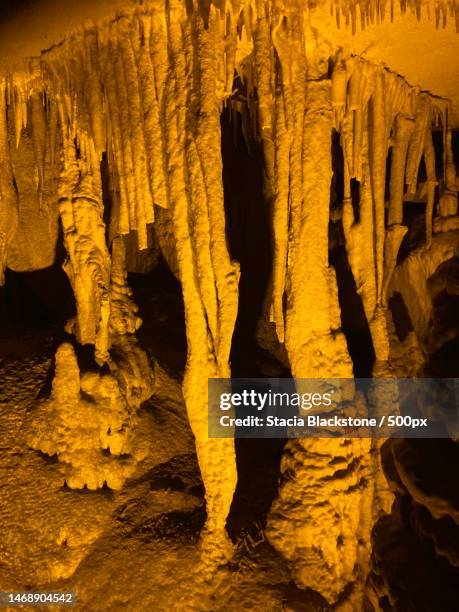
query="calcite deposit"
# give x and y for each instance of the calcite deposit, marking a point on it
(111, 162)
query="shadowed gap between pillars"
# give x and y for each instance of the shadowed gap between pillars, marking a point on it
(248, 229)
(38, 299)
(354, 322)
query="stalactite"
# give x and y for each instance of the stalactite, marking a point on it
(114, 132)
(8, 197)
(339, 82)
(429, 159)
(365, 143)
(91, 70)
(143, 199)
(280, 213)
(52, 129)
(231, 44)
(151, 101)
(378, 147)
(128, 362)
(422, 119)
(20, 97)
(362, 254)
(404, 126)
(316, 347)
(369, 10)
(447, 205)
(262, 68)
(88, 266)
(126, 151)
(288, 158)
(39, 136)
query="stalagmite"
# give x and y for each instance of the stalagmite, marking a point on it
(90, 420)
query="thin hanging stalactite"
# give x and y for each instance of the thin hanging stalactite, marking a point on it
(9, 213)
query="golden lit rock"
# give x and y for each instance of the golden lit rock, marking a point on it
(272, 188)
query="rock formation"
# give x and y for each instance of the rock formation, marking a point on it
(127, 111)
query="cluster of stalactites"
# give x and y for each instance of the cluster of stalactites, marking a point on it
(370, 12)
(109, 83)
(103, 91)
(367, 96)
(377, 111)
(105, 86)
(372, 103)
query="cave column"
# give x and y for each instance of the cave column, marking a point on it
(209, 279)
(313, 349)
(88, 263)
(320, 519)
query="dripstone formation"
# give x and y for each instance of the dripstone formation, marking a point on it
(141, 95)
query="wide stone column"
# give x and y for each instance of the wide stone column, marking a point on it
(323, 515)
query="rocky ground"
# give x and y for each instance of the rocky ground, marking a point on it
(136, 548)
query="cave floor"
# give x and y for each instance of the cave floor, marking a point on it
(136, 548)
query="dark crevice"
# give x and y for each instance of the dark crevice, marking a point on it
(36, 300)
(414, 218)
(400, 316)
(353, 320)
(249, 237)
(250, 243)
(162, 334)
(355, 196)
(106, 193)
